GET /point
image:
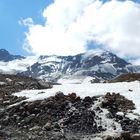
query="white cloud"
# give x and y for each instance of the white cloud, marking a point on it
(135, 61)
(70, 24)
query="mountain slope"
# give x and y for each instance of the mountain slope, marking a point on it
(6, 56)
(100, 64)
(129, 77)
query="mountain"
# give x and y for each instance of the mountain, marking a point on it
(128, 77)
(6, 56)
(97, 64)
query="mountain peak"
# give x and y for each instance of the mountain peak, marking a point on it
(97, 63)
(4, 51)
(6, 56)
(94, 63)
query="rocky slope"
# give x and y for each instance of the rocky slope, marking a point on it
(68, 117)
(63, 117)
(11, 83)
(6, 56)
(129, 77)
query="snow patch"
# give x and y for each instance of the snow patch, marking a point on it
(86, 89)
(112, 127)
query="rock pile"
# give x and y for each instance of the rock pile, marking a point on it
(66, 117)
(13, 83)
(116, 102)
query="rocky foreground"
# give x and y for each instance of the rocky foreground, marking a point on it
(64, 117)
(12, 83)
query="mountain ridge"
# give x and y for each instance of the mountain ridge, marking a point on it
(6, 56)
(99, 64)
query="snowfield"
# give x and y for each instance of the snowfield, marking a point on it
(131, 90)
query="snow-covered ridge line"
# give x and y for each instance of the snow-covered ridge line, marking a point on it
(100, 64)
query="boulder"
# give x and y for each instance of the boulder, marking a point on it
(59, 95)
(48, 126)
(135, 136)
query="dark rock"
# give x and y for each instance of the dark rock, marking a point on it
(126, 136)
(4, 135)
(135, 136)
(72, 97)
(48, 126)
(130, 90)
(29, 118)
(87, 99)
(59, 95)
(130, 125)
(109, 138)
(50, 104)
(44, 85)
(43, 103)
(56, 126)
(30, 106)
(78, 99)
(116, 102)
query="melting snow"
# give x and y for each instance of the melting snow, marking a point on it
(131, 90)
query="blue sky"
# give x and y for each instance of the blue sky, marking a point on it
(11, 11)
(68, 35)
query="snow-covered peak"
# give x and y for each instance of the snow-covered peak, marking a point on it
(95, 52)
(52, 58)
(97, 63)
(5, 56)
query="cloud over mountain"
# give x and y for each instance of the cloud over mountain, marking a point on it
(71, 24)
